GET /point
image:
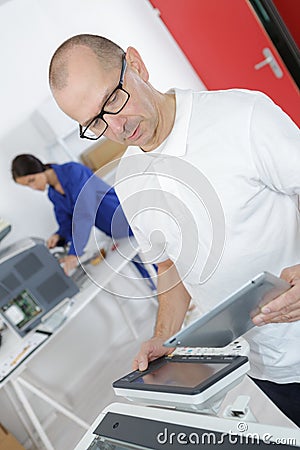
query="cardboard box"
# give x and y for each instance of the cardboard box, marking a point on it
(104, 156)
(8, 441)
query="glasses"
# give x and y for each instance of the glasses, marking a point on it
(113, 105)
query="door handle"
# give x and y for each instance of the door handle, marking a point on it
(271, 61)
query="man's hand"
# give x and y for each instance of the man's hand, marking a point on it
(286, 307)
(53, 240)
(69, 262)
(149, 351)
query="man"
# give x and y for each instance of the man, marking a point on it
(244, 219)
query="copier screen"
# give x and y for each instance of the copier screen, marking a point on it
(181, 374)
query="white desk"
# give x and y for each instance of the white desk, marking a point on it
(100, 277)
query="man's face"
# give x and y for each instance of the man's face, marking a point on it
(89, 86)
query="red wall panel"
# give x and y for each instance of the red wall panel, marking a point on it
(224, 40)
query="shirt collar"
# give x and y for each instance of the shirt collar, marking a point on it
(175, 143)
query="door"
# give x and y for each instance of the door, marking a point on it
(229, 48)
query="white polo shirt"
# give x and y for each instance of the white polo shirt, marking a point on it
(219, 197)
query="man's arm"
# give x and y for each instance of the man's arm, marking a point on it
(173, 301)
(275, 142)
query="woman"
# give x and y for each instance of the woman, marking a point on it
(99, 205)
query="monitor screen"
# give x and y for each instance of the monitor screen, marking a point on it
(179, 374)
(174, 374)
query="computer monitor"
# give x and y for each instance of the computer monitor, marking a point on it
(32, 283)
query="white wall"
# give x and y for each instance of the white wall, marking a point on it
(30, 31)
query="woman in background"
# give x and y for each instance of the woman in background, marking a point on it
(99, 206)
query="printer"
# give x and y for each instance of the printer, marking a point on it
(32, 283)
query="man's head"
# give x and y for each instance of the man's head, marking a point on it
(107, 52)
(90, 74)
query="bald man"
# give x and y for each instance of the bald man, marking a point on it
(241, 146)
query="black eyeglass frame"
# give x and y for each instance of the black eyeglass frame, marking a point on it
(82, 129)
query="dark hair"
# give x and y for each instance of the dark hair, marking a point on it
(108, 53)
(27, 164)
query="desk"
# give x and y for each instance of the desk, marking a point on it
(100, 278)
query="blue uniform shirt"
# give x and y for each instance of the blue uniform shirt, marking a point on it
(99, 206)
